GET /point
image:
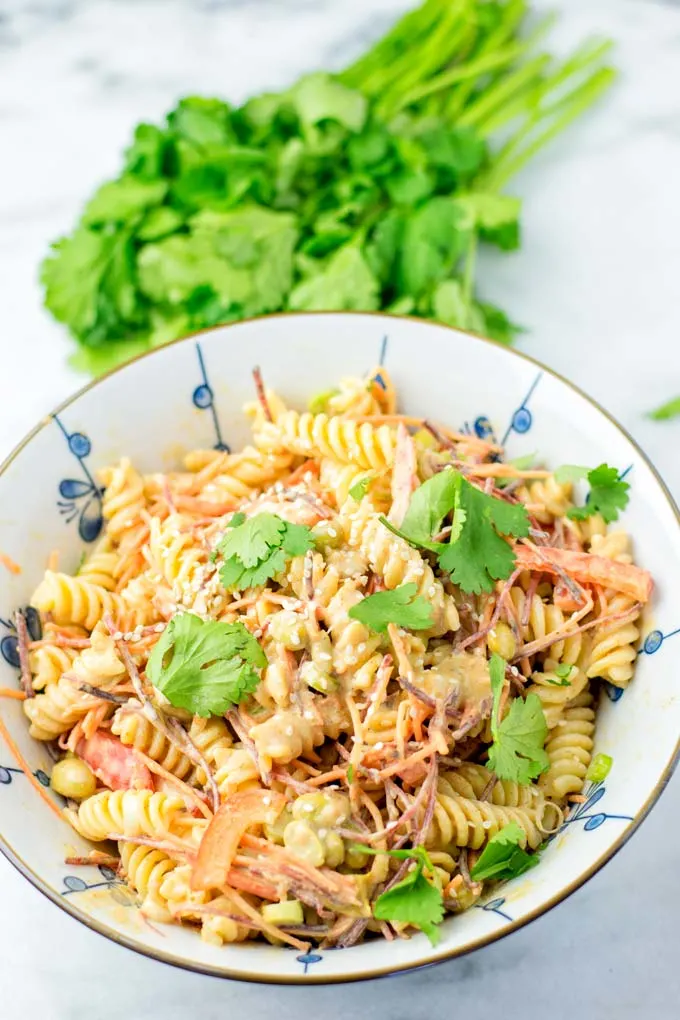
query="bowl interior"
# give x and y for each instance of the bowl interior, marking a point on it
(190, 395)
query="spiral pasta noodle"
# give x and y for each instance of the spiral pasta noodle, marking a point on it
(71, 600)
(146, 869)
(569, 749)
(318, 435)
(460, 821)
(128, 813)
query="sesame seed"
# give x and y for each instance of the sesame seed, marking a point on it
(379, 746)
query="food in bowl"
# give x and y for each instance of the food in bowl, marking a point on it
(339, 683)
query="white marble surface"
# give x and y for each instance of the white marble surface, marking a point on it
(596, 282)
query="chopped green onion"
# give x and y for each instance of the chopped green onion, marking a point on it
(318, 404)
(599, 768)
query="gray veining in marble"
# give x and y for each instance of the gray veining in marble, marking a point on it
(597, 284)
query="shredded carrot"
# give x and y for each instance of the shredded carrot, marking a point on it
(248, 883)
(309, 467)
(9, 692)
(327, 777)
(498, 470)
(186, 790)
(9, 564)
(53, 560)
(412, 759)
(305, 766)
(26, 769)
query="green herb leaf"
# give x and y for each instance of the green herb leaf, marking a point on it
(429, 505)
(402, 606)
(414, 900)
(253, 539)
(360, 488)
(122, 200)
(503, 856)
(666, 411)
(257, 548)
(517, 752)
(563, 671)
(608, 494)
(205, 666)
(347, 283)
(478, 554)
(350, 773)
(570, 473)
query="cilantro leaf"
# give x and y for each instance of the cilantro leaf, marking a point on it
(360, 488)
(563, 671)
(252, 539)
(401, 606)
(669, 410)
(503, 856)
(255, 549)
(124, 199)
(205, 666)
(414, 900)
(297, 539)
(477, 554)
(570, 473)
(608, 494)
(517, 752)
(346, 283)
(429, 505)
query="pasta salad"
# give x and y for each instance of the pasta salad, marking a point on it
(335, 685)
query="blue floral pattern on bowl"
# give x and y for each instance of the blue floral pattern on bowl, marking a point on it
(80, 498)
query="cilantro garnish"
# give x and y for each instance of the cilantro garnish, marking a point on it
(476, 553)
(608, 492)
(517, 751)
(503, 856)
(480, 555)
(414, 900)
(401, 606)
(205, 666)
(563, 671)
(258, 548)
(360, 488)
(666, 411)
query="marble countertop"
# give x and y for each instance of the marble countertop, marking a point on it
(596, 283)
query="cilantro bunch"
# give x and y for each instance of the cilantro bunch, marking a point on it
(370, 189)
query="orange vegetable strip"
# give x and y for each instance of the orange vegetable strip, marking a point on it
(327, 777)
(9, 692)
(9, 564)
(412, 759)
(26, 769)
(223, 835)
(587, 568)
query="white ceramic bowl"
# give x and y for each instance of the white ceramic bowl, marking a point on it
(190, 394)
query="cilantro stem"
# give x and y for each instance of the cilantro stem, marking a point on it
(578, 101)
(489, 101)
(462, 72)
(469, 268)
